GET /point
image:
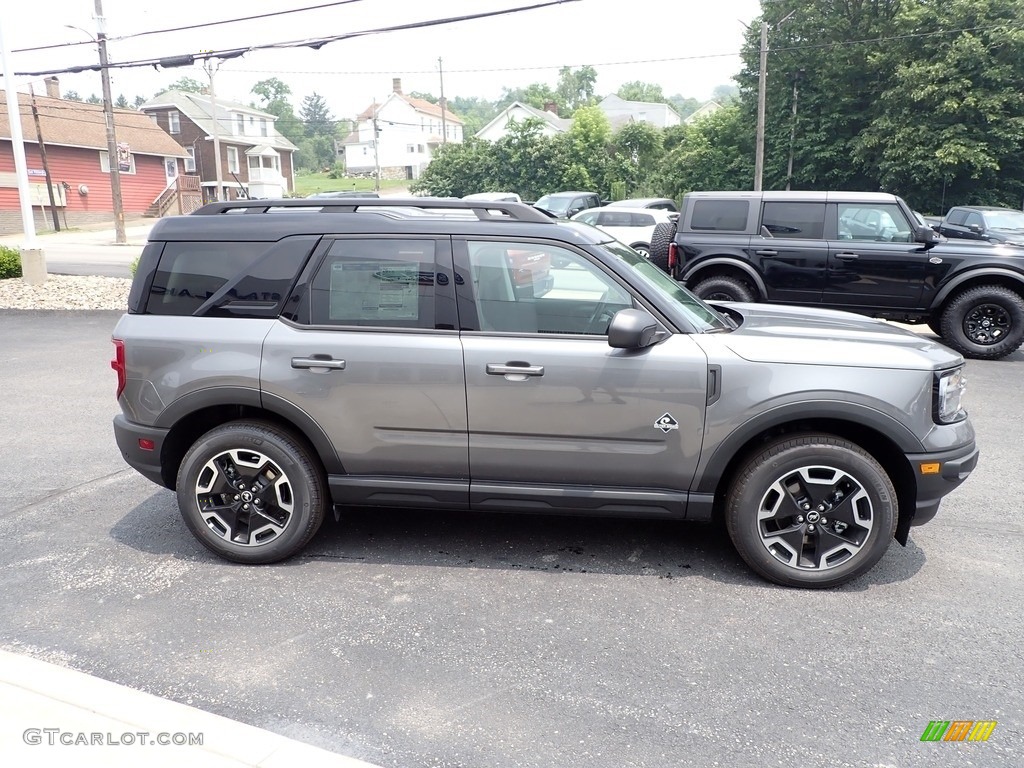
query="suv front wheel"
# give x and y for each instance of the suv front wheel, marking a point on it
(251, 492)
(984, 323)
(811, 511)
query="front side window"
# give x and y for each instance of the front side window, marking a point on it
(797, 220)
(375, 282)
(533, 288)
(881, 222)
(974, 219)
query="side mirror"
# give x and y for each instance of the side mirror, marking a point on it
(632, 329)
(927, 235)
(975, 228)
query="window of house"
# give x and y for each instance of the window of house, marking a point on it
(155, 118)
(190, 161)
(173, 122)
(232, 159)
(239, 124)
(105, 163)
(263, 126)
(410, 148)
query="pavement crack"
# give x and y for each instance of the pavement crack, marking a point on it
(84, 486)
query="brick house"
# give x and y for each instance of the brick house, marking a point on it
(255, 160)
(409, 130)
(75, 139)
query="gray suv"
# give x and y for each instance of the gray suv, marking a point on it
(282, 358)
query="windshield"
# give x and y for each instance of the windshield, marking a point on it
(1005, 219)
(703, 317)
(553, 204)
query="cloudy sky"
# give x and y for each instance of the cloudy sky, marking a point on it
(686, 46)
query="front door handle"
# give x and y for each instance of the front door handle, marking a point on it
(847, 256)
(494, 369)
(313, 362)
(766, 252)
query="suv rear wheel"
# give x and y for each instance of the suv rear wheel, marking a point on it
(723, 288)
(984, 323)
(811, 511)
(251, 492)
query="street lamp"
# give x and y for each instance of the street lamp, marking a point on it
(108, 117)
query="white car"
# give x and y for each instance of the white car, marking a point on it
(632, 226)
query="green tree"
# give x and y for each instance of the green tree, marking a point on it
(684, 106)
(576, 87)
(536, 95)
(713, 153)
(725, 94)
(72, 96)
(187, 84)
(316, 116)
(274, 95)
(425, 96)
(121, 102)
(638, 148)
(589, 139)
(316, 153)
(474, 112)
(637, 90)
(93, 99)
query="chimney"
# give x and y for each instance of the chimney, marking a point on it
(53, 87)
(396, 85)
(550, 106)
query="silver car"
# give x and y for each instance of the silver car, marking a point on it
(276, 365)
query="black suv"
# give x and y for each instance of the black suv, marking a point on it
(977, 222)
(862, 252)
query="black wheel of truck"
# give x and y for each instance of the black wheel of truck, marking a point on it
(663, 235)
(811, 511)
(984, 323)
(251, 492)
(723, 288)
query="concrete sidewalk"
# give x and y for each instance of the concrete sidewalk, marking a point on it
(54, 716)
(136, 233)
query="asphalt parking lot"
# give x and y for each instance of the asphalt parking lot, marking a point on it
(412, 640)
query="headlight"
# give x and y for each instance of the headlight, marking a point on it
(949, 394)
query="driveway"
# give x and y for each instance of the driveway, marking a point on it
(421, 639)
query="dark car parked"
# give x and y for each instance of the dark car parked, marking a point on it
(992, 225)
(565, 205)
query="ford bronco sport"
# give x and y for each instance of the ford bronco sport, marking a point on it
(279, 360)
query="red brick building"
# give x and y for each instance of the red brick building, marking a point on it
(75, 138)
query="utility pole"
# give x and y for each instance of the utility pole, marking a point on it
(211, 66)
(376, 154)
(42, 156)
(761, 86)
(108, 115)
(792, 128)
(444, 119)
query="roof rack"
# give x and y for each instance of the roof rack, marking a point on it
(484, 209)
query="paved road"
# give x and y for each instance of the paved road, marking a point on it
(413, 640)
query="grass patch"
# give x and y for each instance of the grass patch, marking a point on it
(308, 183)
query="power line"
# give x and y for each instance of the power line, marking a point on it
(190, 26)
(314, 43)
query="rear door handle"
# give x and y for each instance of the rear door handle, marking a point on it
(494, 369)
(766, 252)
(847, 256)
(313, 362)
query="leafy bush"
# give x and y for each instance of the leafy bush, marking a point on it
(135, 265)
(10, 262)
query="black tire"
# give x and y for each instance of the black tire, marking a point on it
(644, 249)
(788, 523)
(724, 288)
(984, 323)
(251, 492)
(663, 235)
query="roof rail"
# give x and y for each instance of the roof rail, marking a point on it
(482, 208)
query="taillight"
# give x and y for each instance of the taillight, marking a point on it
(118, 365)
(673, 257)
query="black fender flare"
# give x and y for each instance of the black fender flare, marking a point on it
(247, 396)
(691, 278)
(710, 472)
(959, 279)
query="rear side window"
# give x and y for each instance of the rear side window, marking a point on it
(720, 215)
(643, 220)
(381, 282)
(190, 273)
(797, 220)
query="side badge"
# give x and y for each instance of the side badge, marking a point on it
(934, 260)
(666, 423)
